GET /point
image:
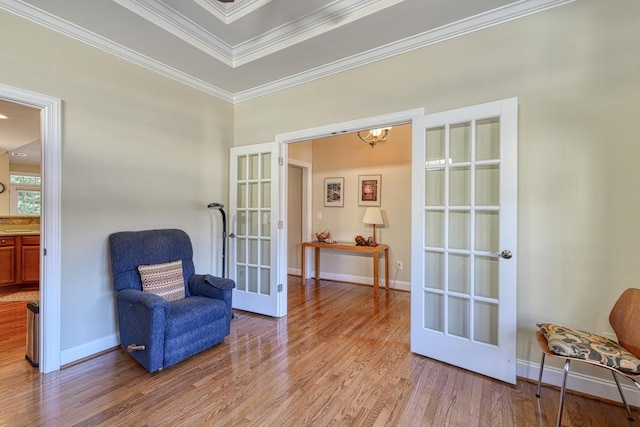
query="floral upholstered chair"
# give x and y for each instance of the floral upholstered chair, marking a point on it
(622, 358)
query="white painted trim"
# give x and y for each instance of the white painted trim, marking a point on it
(579, 382)
(50, 220)
(230, 12)
(174, 23)
(324, 19)
(307, 200)
(358, 280)
(489, 19)
(89, 349)
(47, 20)
(307, 190)
(391, 119)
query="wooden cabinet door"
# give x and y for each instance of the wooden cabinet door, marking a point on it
(30, 259)
(7, 261)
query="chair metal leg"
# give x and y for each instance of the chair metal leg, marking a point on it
(562, 391)
(626, 405)
(540, 374)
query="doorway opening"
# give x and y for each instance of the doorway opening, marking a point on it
(50, 220)
(404, 117)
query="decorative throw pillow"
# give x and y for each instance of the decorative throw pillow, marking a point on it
(570, 342)
(165, 280)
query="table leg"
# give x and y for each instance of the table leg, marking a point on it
(376, 275)
(386, 268)
(317, 265)
(303, 265)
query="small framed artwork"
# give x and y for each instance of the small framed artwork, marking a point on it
(369, 187)
(334, 192)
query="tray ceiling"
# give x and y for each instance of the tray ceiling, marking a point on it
(241, 50)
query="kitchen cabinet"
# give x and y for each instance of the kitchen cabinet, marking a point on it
(7, 261)
(28, 267)
(19, 261)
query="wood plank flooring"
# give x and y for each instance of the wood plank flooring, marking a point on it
(340, 358)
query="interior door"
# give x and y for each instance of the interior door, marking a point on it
(464, 207)
(256, 231)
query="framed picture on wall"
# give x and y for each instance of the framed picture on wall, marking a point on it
(334, 192)
(369, 187)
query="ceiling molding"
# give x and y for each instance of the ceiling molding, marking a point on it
(47, 20)
(327, 18)
(174, 23)
(334, 15)
(230, 12)
(479, 22)
(476, 23)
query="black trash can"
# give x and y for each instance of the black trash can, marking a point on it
(33, 333)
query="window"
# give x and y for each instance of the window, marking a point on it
(25, 194)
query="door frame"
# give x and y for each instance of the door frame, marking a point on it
(283, 139)
(50, 220)
(306, 201)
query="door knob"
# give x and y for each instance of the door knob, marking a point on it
(506, 254)
(232, 235)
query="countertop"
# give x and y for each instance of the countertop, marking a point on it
(19, 232)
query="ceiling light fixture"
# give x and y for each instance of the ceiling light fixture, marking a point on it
(375, 135)
(18, 154)
(3, 117)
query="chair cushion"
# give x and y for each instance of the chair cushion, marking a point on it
(164, 279)
(578, 344)
(192, 313)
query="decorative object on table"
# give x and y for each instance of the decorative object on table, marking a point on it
(374, 136)
(369, 187)
(361, 241)
(373, 216)
(334, 192)
(324, 236)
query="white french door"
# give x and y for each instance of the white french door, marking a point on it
(256, 230)
(464, 208)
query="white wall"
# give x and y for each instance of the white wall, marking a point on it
(139, 151)
(576, 74)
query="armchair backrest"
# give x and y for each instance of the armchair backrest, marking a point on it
(129, 249)
(625, 320)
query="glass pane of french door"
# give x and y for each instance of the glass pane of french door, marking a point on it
(464, 214)
(253, 213)
(254, 183)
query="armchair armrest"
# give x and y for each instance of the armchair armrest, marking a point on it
(142, 320)
(146, 299)
(206, 285)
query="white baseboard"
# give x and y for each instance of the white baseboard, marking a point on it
(74, 354)
(580, 383)
(361, 280)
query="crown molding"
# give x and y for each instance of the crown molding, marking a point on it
(498, 16)
(230, 12)
(52, 22)
(177, 24)
(327, 18)
(483, 21)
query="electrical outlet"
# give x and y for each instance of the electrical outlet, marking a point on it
(399, 265)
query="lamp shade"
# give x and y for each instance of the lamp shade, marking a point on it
(373, 216)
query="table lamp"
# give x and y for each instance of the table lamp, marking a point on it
(373, 216)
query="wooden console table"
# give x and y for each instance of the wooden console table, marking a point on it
(374, 250)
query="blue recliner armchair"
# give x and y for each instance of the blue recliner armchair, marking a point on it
(159, 333)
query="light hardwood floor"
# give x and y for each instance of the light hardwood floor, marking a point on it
(339, 358)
